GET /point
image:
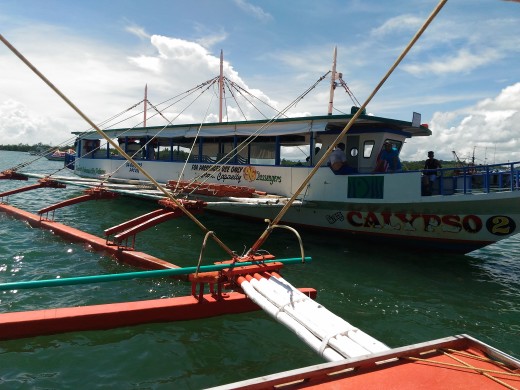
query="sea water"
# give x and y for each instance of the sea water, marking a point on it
(398, 297)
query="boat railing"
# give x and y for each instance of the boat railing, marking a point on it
(476, 179)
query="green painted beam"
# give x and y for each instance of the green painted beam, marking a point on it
(135, 275)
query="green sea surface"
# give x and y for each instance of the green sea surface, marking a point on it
(396, 296)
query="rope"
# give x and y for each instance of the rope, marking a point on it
(192, 146)
(325, 156)
(464, 366)
(481, 371)
(122, 152)
(476, 357)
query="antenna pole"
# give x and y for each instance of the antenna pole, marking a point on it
(145, 103)
(221, 85)
(332, 81)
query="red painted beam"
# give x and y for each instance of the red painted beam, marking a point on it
(109, 316)
(20, 189)
(148, 224)
(137, 259)
(125, 225)
(67, 202)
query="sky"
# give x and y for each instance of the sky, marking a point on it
(463, 75)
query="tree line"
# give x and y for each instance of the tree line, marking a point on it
(39, 147)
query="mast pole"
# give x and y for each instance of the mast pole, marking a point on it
(221, 84)
(145, 103)
(332, 81)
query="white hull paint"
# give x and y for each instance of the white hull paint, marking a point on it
(375, 205)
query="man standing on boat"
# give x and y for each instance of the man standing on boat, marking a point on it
(430, 172)
(338, 161)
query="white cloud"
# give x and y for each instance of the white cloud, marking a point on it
(102, 81)
(138, 31)
(464, 61)
(20, 126)
(490, 131)
(400, 23)
(253, 10)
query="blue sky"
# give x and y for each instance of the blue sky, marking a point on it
(463, 75)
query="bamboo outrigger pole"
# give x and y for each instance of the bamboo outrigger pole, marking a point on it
(282, 212)
(111, 142)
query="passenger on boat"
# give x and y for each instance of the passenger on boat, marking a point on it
(338, 161)
(388, 159)
(316, 151)
(431, 166)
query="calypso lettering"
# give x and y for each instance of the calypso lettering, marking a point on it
(411, 222)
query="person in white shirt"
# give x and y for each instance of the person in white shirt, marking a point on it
(338, 161)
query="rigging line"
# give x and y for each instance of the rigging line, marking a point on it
(102, 133)
(192, 91)
(65, 143)
(325, 156)
(234, 97)
(238, 87)
(192, 146)
(349, 92)
(249, 139)
(189, 91)
(103, 123)
(170, 122)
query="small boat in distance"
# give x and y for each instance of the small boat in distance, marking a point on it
(467, 209)
(59, 155)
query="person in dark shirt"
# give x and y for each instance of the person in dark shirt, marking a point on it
(431, 166)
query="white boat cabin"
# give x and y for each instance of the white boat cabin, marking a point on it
(261, 142)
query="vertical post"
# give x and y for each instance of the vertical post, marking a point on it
(145, 103)
(332, 81)
(221, 85)
(277, 153)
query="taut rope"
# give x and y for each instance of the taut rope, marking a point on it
(282, 212)
(111, 142)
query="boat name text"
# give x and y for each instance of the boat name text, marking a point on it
(450, 223)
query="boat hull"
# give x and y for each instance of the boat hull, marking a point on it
(372, 206)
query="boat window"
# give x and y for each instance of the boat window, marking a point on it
(368, 147)
(354, 152)
(262, 153)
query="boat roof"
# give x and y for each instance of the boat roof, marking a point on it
(271, 127)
